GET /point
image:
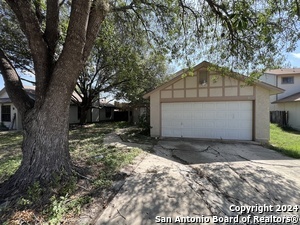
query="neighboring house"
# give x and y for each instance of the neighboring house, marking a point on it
(134, 111)
(209, 105)
(11, 118)
(289, 100)
(101, 111)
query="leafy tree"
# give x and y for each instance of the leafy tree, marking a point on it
(126, 67)
(243, 34)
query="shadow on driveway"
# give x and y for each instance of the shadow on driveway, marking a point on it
(203, 179)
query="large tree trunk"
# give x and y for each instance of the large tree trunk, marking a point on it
(83, 114)
(46, 120)
(45, 147)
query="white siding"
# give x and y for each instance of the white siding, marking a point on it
(268, 78)
(289, 88)
(294, 113)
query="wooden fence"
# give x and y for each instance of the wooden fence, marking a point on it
(280, 117)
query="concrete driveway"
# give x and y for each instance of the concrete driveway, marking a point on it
(203, 182)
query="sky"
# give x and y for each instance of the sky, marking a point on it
(293, 59)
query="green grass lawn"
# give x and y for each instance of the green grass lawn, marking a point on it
(100, 166)
(10, 153)
(285, 140)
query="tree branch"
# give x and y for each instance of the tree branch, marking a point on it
(38, 11)
(52, 28)
(14, 85)
(98, 12)
(216, 9)
(75, 41)
(30, 26)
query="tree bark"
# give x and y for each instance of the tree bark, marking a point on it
(84, 113)
(45, 145)
(45, 148)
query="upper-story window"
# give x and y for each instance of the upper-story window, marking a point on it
(287, 80)
(203, 78)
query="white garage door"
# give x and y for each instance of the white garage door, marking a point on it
(216, 120)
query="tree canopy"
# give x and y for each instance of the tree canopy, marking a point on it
(121, 66)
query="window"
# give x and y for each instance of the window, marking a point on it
(5, 113)
(287, 80)
(203, 78)
(107, 112)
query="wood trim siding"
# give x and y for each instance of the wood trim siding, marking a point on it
(180, 89)
(210, 99)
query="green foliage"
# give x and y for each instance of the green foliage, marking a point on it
(62, 205)
(245, 36)
(9, 166)
(57, 209)
(144, 123)
(33, 195)
(34, 192)
(286, 141)
(61, 186)
(12, 39)
(113, 160)
(10, 154)
(121, 63)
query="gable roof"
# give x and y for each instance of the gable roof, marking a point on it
(291, 98)
(284, 71)
(178, 76)
(5, 100)
(106, 105)
(30, 90)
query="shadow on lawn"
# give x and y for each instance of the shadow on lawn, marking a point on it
(97, 167)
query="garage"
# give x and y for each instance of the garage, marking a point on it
(213, 120)
(204, 103)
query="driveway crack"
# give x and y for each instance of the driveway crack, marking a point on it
(272, 198)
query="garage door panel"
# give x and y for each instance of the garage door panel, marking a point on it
(245, 106)
(218, 120)
(209, 115)
(233, 105)
(222, 115)
(245, 116)
(197, 115)
(221, 124)
(245, 125)
(207, 106)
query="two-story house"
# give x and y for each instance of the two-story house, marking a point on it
(289, 100)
